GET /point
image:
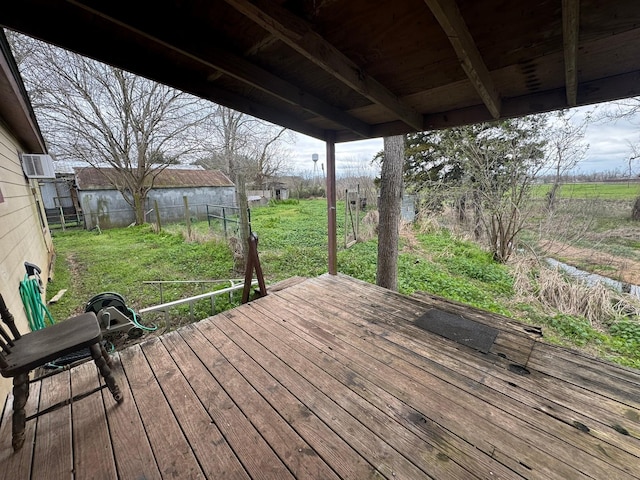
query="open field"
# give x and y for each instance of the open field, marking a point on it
(293, 242)
(600, 190)
(594, 234)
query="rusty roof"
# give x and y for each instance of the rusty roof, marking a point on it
(90, 178)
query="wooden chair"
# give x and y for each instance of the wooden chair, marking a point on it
(24, 353)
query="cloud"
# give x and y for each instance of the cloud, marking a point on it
(349, 155)
(609, 143)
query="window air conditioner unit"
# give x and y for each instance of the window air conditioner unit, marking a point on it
(37, 166)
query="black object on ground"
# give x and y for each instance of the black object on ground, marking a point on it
(459, 329)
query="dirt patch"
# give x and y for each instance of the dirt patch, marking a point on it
(75, 273)
(605, 264)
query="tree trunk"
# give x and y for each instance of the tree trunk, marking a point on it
(389, 208)
(552, 195)
(138, 206)
(635, 213)
(461, 207)
(477, 215)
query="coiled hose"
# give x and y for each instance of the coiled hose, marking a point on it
(33, 305)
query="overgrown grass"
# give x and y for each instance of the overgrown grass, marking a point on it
(293, 241)
(120, 260)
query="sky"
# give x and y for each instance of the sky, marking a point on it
(609, 146)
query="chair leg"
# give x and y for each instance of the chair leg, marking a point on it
(20, 395)
(106, 356)
(105, 371)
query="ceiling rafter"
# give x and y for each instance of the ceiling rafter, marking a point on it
(297, 34)
(250, 74)
(570, 29)
(450, 19)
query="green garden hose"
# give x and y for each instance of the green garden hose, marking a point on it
(33, 305)
(139, 325)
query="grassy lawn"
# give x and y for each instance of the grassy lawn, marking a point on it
(293, 241)
(600, 190)
(120, 260)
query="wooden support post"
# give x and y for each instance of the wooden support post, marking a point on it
(358, 212)
(253, 262)
(243, 204)
(346, 218)
(224, 223)
(331, 203)
(157, 209)
(62, 218)
(187, 216)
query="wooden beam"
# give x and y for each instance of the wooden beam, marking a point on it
(259, 110)
(242, 70)
(570, 29)
(451, 21)
(616, 87)
(297, 34)
(331, 203)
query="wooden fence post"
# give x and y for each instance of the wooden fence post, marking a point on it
(158, 223)
(187, 216)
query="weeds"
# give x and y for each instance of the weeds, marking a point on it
(599, 305)
(293, 241)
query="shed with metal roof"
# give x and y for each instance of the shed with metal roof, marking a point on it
(104, 206)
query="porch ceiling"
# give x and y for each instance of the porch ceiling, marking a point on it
(360, 68)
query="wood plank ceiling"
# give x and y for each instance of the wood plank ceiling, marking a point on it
(359, 68)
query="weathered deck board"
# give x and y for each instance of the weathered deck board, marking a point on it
(309, 391)
(171, 450)
(18, 465)
(330, 378)
(131, 448)
(294, 451)
(257, 457)
(523, 425)
(53, 453)
(93, 456)
(344, 459)
(581, 372)
(209, 445)
(600, 408)
(500, 385)
(376, 420)
(438, 441)
(610, 456)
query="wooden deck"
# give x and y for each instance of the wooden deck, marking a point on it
(331, 379)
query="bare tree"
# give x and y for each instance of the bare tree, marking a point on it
(566, 148)
(628, 109)
(390, 208)
(246, 145)
(106, 116)
(357, 173)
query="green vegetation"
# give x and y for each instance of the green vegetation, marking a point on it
(601, 190)
(621, 344)
(120, 260)
(292, 241)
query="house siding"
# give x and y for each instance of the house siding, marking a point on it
(22, 234)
